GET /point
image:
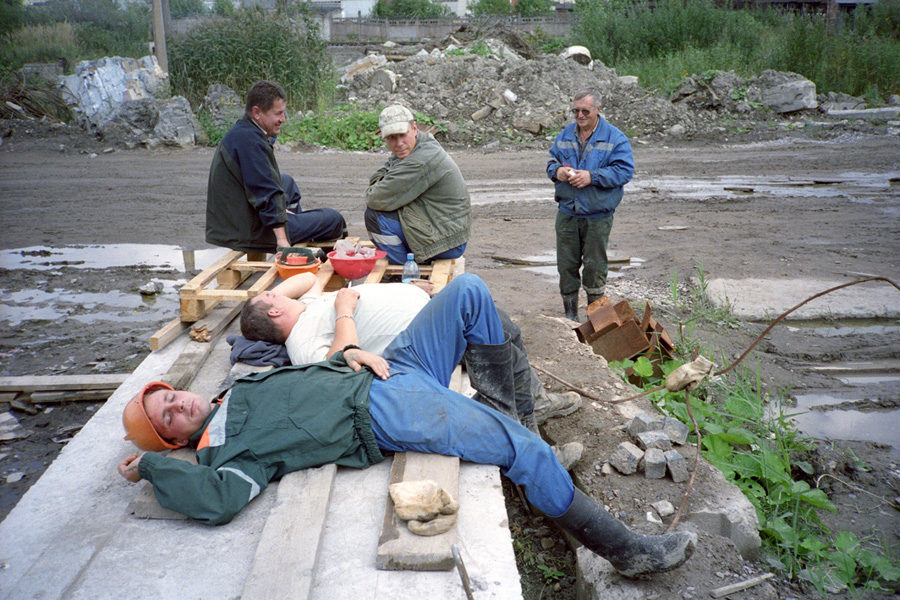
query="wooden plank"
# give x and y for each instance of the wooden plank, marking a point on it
(398, 548)
(209, 273)
(288, 552)
(441, 273)
(182, 371)
(169, 332)
(69, 396)
(378, 272)
(41, 383)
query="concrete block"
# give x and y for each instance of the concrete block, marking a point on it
(726, 513)
(644, 422)
(626, 458)
(676, 430)
(654, 463)
(654, 439)
(678, 467)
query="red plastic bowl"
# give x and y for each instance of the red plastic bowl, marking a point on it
(354, 268)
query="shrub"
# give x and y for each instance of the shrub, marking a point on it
(252, 46)
(223, 8)
(186, 8)
(12, 15)
(482, 8)
(405, 9)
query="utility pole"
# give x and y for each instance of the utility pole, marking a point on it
(159, 33)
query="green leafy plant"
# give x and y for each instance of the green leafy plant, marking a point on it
(757, 447)
(342, 127)
(550, 574)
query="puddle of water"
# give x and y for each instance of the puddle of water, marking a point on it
(20, 306)
(875, 426)
(861, 380)
(108, 256)
(839, 328)
(878, 425)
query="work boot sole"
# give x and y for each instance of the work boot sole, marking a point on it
(676, 549)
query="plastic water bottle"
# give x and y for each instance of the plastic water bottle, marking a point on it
(410, 269)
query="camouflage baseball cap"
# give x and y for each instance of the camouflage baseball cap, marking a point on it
(394, 119)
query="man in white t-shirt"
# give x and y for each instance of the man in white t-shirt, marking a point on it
(313, 325)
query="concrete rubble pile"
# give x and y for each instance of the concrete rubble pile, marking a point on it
(506, 97)
(127, 99)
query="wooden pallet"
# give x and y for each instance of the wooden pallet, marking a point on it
(225, 279)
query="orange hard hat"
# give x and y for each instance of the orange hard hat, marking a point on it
(137, 424)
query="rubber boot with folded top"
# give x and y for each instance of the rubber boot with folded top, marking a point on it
(490, 369)
(630, 553)
(570, 305)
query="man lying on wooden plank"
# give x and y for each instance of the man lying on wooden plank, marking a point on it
(349, 410)
(313, 326)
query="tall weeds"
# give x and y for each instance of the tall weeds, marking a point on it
(253, 45)
(677, 38)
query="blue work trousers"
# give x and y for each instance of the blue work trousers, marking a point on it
(387, 234)
(414, 410)
(317, 224)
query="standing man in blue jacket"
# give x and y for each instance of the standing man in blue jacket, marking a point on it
(250, 205)
(590, 163)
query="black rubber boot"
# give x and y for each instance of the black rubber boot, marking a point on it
(490, 369)
(630, 553)
(570, 305)
(593, 297)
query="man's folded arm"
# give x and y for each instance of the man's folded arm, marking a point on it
(207, 495)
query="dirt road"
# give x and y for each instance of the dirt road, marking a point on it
(776, 209)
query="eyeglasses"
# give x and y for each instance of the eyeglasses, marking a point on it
(583, 111)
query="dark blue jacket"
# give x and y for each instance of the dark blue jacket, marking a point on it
(607, 155)
(244, 199)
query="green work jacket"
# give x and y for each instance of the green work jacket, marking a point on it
(268, 424)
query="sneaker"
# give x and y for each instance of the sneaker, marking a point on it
(568, 454)
(548, 405)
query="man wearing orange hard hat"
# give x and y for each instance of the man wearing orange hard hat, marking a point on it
(352, 408)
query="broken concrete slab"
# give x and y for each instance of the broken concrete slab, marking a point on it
(764, 299)
(870, 114)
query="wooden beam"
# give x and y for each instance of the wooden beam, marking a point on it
(288, 552)
(398, 548)
(44, 383)
(169, 332)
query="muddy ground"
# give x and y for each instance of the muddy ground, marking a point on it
(59, 187)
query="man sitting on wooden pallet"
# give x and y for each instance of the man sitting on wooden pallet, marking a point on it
(276, 422)
(313, 326)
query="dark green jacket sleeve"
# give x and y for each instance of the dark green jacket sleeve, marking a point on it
(211, 496)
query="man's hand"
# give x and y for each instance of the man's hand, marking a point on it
(345, 301)
(578, 178)
(357, 359)
(128, 468)
(281, 238)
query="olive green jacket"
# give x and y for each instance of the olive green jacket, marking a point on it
(429, 194)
